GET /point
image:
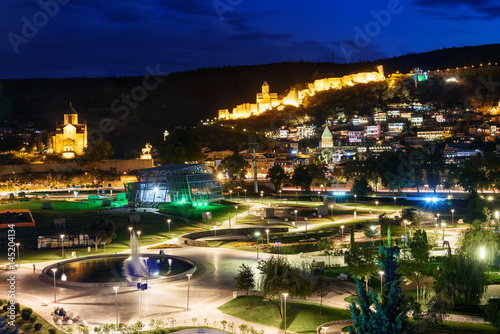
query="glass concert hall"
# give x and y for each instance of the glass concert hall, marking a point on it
(190, 183)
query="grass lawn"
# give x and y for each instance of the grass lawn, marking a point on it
(25, 324)
(301, 317)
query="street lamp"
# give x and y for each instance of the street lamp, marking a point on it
(54, 273)
(257, 235)
(443, 225)
(62, 245)
(129, 231)
(373, 234)
(355, 203)
(262, 196)
(280, 197)
(169, 221)
(482, 253)
(331, 207)
(395, 204)
(278, 246)
(230, 195)
(267, 233)
(215, 238)
(295, 211)
(116, 303)
(189, 280)
(236, 216)
(436, 231)
(453, 216)
(438, 221)
(381, 273)
(245, 194)
(285, 295)
(376, 203)
(342, 227)
(305, 220)
(18, 261)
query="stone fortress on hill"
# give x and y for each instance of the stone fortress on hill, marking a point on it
(266, 101)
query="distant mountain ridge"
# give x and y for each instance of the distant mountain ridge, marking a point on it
(185, 98)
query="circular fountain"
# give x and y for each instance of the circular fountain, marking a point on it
(119, 269)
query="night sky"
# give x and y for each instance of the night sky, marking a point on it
(108, 38)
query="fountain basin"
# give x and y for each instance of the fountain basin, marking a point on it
(107, 270)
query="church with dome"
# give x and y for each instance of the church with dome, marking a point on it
(70, 137)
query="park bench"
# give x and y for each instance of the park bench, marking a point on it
(342, 277)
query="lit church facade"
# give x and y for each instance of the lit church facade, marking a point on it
(70, 137)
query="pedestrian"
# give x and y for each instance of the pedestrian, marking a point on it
(34, 268)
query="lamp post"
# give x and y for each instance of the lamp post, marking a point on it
(482, 253)
(381, 273)
(305, 220)
(342, 227)
(331, 207)
(280, 197)
(295, 211)
(285, 295)
(373, 234)
(62, 245)
(245, 194)
(278, 246)
(236, 215)
(438, 221)
(267, 234)
(436, 231)
(189, 280)
(443, 225)
(168, 222)
(453, 216)
(355, 203)
(395, 210)
(54, 273)
(129, 231)
(116, 303)
(257, 235)
(262, 196)
(18, 261)
(376, 203)
(230, 195)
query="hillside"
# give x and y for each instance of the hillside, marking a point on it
(184, 98)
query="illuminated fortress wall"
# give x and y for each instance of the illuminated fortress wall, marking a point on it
(266, 100)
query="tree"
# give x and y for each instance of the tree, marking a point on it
(413, 270)
(278, 176)
(362, 261)
(360, 187)
(461, 277)
(492, 312)
(301, 177)
(317, 171)
(419, 247)
(322, 287)
(235, 166)
(179, 147)
(102, 230)
(245, 280)
(326, 246)
(395, 170)
(436, 312)
(389, 314)
(98, 151)
(277, 275)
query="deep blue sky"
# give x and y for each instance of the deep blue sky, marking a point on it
(107, 38)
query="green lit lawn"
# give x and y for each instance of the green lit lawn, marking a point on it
(301, 317)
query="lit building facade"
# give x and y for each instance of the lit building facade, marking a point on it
(190, 183)
(70, 137)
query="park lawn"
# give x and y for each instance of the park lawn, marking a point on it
(22, 324)
(302, 317)
(455, 326)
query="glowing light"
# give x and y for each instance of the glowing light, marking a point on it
(482, 253)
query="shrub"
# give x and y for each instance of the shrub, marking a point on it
(52, 331)
(17, 307)
(33, 318)
(28, 327)
(26, 313)
(38, 326)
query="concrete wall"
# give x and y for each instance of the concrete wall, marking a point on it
(120, 165)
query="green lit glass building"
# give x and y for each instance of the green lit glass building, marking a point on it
(175, 183)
